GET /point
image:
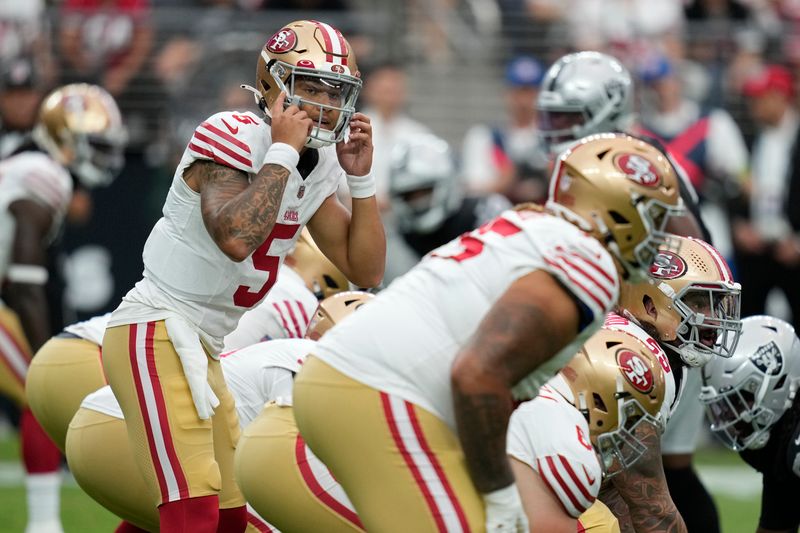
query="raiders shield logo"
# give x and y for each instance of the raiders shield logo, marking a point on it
(667, 265)
(639, 169)
(635, 370)
(283, 41)
(301, 191)
(768, 359)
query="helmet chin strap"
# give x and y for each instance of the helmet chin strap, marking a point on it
(262, 105)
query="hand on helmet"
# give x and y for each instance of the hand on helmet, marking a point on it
(355, 154)
(291, 125)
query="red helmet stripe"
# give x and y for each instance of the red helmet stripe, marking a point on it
(324, 30)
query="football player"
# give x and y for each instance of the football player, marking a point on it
(752, 405)
(690, 312)
(69, 365)
(425, 372)
(592, 410)
(77, 141)
(428, 200)
(101, 457)
(588, 92)
(242, 192)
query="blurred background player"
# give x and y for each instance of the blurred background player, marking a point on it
(752, 406)
(592, 410)
(77, 141)
(260, 375)
(502, 307)
(430, 204)
(510, 158)
(591, 92)
(238, 200)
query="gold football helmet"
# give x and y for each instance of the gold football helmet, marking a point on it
(319, 274)
(80, 126)
(621, 190)
(314, 65)
(691, 305)
(334, 309)
(618, 385)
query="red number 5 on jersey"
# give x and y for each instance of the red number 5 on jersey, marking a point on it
(473, 245)
(244, 296)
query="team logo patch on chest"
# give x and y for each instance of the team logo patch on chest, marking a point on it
(639, 169)
(667, 265)
(635, 370)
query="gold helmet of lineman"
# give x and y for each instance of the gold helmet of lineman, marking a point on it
(334, 309)
(618, 385)
(319, 274)
(315, 66)
(692, 304)
(621, 190)
(80, 126)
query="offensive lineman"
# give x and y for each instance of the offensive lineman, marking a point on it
(752, 405)
(503, 307)
(78, 140)
(240, 196)
(99, 453)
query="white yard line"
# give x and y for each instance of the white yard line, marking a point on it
(739, 481)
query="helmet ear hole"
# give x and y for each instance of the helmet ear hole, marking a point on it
(599, 403)
(618, 218)
(330, 282)
(780, 383)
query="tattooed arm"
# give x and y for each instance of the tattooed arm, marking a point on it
(644, 489)
(528, 325)
(239, 215)
(610, 496)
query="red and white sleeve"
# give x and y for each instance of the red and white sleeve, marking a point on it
(224, 139)
(573, 484)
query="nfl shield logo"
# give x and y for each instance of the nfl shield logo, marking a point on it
(301, 191)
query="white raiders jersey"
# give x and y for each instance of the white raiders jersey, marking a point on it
(91, 330)
(247, 374)
(30, 176)
(284, 313)
(185, 273)
(562, 454)
(405, 340)
(671, 396)
(251, 375)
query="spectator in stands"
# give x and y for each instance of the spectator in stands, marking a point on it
(106, 41)
(707, 143)
(509, 158)
(767, 244)
(21, 91)
(25, 35)
(385, 99)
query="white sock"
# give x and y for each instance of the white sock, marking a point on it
(44, 497)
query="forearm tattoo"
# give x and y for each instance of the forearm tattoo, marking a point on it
(246, 213)
(610, 496)
(645, 490)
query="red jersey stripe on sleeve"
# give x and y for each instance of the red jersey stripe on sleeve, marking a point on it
(552, 470)
(226, 136)
(587, 275)
(576, 479)
(283, 320)
(604, 306)
(222, 148)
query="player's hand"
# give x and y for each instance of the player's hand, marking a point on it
(355, 154)
(291, 125)
(504, 511)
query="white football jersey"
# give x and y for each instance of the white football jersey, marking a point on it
(671, 397)
(30, 176)
(91, 330)
(561, 454)
(404, 342)
(283, 314)
(185, 273)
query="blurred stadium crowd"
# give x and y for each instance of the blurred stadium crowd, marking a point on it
(715, 80)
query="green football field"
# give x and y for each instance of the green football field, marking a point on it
(735, 487)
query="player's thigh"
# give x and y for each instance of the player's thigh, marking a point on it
(15, 356)
(370, 439)
(226, 434)
(284, 482)
(173, 447)
(100, 458)
(62, 373)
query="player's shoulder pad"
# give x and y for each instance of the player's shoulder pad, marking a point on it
(40, 178)
(235, 139)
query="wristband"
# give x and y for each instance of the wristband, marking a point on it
(505, 497)
(30, 274)
(361, 186)
(284, 155)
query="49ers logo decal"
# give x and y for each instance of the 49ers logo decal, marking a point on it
(283, 41)
(635, 370)
(667, 265)
(639, 169)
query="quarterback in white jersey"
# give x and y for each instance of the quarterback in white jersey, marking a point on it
(500, 308)
(242, 192)
(36, 185)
